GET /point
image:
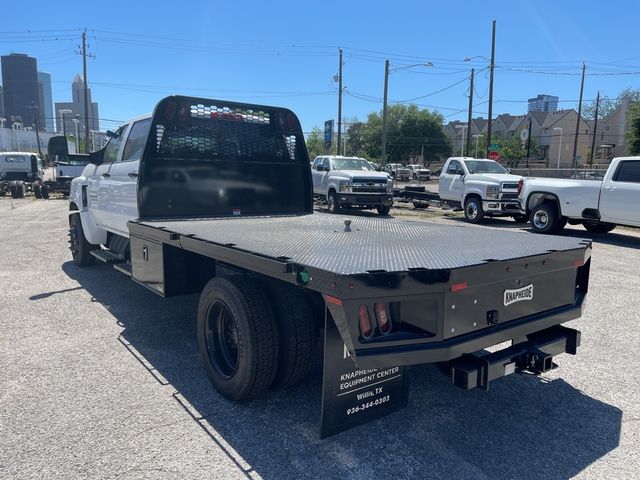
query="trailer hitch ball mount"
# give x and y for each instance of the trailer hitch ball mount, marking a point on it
(532, 356)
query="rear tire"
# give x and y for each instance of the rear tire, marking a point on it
(37, 190)
(297, 333)
(237, 337)
(383, 209)
(45, 191)
(598, 227)
(544, 219)
(473, 210)
(79, 245)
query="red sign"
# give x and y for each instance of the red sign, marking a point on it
(493, 155)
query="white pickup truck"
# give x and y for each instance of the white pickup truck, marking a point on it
(482, 187)
(598, 205)
(351, 182)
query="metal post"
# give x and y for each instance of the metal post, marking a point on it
(33, 107)
(86, 92)
(595, 128)
(493, 53)
(384, 114)
(339, 104)
(574, 162)
(529, 142)
(559, 146)
(470, 113)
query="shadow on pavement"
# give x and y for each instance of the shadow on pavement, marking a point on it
(524, 427)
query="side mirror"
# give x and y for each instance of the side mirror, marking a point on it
(111, 134)
(320, 168)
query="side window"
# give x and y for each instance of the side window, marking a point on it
(628, 171)
(136, 141)
(317, 162)
(113, 146)
(454, 167)
(325, 163)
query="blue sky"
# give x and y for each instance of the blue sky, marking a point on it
(286, 53)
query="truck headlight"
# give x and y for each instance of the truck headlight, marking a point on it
(344, 186)
(493, 191)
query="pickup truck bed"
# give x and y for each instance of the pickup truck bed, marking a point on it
(373, 245)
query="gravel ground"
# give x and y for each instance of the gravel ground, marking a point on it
(100, 378)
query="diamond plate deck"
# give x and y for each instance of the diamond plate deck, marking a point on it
(374, 244)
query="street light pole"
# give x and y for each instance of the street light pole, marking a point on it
(560, 145)
(75, 122)
(462, 127)
(384, 113)
(477, 137)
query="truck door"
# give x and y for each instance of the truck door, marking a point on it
(98, 181)
(620, 194)
(316, 176)
(450, 186)
(123, 186)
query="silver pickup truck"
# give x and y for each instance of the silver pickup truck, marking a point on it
(351, 182)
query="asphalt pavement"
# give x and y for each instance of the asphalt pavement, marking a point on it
(100, 378)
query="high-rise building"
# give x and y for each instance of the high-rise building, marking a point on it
(46, 104)
(20, 84)
(543, 103)
(76, 106)
(1, 103)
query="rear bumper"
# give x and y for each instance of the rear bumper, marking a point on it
(456, 347)
(365, 199)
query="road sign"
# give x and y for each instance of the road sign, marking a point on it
(494, 146)
(493, 155)
(328, 134)
(524, 135)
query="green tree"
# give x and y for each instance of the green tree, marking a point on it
(315, 142)
(633, 132)
(608, 105)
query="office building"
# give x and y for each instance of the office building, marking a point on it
(46, 104)
(20, 88)
(543, 103)
(75, 110)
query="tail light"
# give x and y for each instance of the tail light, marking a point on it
(384, 321)
(520, 184)
(365, 323)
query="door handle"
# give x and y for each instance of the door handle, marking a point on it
(610, 189)
(133, 174)
(106, 175)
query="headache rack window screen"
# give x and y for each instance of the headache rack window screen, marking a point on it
(220, 161)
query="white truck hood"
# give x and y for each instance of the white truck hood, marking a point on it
(494, 178)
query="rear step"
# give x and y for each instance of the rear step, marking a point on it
(107, 256)
(123, 268)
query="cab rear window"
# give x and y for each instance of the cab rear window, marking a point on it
(15, 158)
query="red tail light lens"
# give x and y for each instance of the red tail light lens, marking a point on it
(520, 184)
(365, 323)
(384, 321)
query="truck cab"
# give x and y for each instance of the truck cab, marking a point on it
(351, 182)
(20, 172)
(482, 187)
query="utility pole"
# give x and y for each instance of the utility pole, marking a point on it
(595, 128)
(339, 104)
(86, 91)
(384, 114)
(470, 113)
(33, 107)
(491, 66)
(574, 161)
(529, 142)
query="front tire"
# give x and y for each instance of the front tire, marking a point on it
(37, 190)
(473, 212)
(545, 219)
(79, 245)
(45, 191)
(237, 337)
(383, 210)
(332, 202)
(598, 227)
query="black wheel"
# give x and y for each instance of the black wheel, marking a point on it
(80, 247)
(520, 218)
(598, 227)
(14, 190)
(332, 202)
(237, 337)
(296, 330)
(473, 210)
(21, 189)
(383, 209)
(45, 191)
(544, 219)
(37, 190)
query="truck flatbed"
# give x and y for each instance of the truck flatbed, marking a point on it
(374, 244)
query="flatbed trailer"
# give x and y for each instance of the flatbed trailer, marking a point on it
(387, 293)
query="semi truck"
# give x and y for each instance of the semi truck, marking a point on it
(216, 197)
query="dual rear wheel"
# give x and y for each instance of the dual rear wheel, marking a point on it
(253, 335)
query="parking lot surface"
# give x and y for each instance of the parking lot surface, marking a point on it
(100, 378)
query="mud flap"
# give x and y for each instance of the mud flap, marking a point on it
(351, 397)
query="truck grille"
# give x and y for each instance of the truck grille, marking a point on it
(510, 186)
(509, 196)
(368, 186)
